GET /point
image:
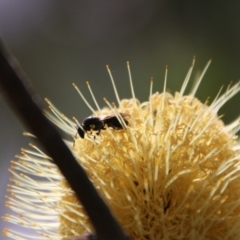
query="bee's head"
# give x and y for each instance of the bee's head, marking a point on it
(91, 123)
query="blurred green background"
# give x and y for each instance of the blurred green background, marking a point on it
(59, 42)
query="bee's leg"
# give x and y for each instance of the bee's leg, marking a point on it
(113, 126)
(94, 138)
(98, 132)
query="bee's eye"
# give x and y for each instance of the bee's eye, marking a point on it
(92, 126)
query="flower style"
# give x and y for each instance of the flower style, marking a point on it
(171, 172)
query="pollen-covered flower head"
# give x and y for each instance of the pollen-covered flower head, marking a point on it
(169, 170)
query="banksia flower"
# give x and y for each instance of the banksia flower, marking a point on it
(170, 170)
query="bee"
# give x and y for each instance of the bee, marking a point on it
(99, 123)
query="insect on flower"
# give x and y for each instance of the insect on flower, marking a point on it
(168, 168)
(92, 123)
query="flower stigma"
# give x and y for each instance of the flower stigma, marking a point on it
(171, 171)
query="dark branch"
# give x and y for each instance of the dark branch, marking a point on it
(18, 93)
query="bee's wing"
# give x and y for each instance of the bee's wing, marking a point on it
(106, 116)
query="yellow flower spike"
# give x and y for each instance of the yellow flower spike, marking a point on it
(172, 171)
